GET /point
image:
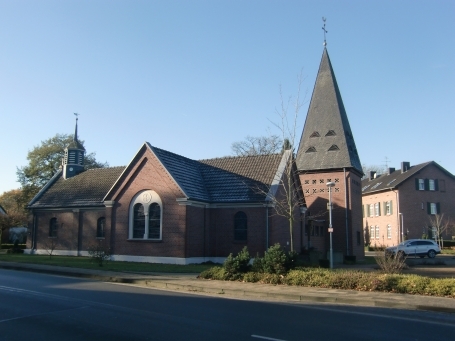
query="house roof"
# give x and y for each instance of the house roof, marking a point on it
(227, 179)
(327, 141)
(222, 180)
(396, 178)
(241, 178)
(85, 189)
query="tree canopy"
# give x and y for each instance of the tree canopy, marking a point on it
(45, 160)
(16, 215)
(262, 145)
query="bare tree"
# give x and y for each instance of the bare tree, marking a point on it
(372, 168)
(440, 226)
(287, 198)
(262, 145)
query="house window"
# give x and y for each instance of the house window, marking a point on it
(372, 232)
(53, 228)
(100, 225)
(389, 231)
(431, 185)
(371, 210)
(433, 208)
(421, 185)
(377, 232)
(377, 209)
(388, 207)
(146, 216)
(240, 226)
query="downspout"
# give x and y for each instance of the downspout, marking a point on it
(266, 227)
(205, 231)
(346, 210)
(397, 195)
(33, 234)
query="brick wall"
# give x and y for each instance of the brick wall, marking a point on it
(346, 211)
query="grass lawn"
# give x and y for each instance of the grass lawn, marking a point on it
(88, 263)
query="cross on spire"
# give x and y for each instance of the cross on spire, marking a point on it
(75, 131)
(325, 31)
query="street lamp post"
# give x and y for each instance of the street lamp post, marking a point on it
(330, 185)
(303, 210)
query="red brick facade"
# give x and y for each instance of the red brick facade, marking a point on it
(347, 237)
(191, 231)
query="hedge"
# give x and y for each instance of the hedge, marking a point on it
(346, 279)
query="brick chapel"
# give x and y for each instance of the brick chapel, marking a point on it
(166, 208)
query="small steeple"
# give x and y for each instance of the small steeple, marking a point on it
(73, 163)
(327, 141)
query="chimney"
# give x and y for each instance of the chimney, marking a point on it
(405, 166)
(372, 175)
(390, 170)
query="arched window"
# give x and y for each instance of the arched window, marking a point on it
(53, 228)
(139, 221)
(145, 216)
(101, 224)
(154, 221)
(240, 226)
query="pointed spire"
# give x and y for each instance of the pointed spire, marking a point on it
(75, 131)
(327, 141)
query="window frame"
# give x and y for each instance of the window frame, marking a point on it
(145, 198)
(389, 231)
(421, 184)
(53, 228)
(101, 227)
(240, 226)
(431, 185)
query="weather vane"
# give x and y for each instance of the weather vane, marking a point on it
(76, 114)
(325, 31)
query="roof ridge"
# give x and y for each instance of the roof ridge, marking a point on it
(239, 156)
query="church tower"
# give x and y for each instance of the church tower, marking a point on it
(327, 154)
(73, 162)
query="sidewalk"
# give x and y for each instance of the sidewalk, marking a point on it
(188, 283)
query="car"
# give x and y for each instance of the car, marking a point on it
(415, 247)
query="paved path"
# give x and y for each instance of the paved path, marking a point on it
(189, 283)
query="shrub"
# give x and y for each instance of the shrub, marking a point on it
(235, 266)
(217, 272)
(258, 264)
(99, 253)
(390, 263)
(275, 260)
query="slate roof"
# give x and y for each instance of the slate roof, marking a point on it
(220, 180)
(86, 189)
(228, 179)
(327, 141)
(393, 180)
(186, 172)
(246, 178)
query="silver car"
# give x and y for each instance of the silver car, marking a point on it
(415, 247)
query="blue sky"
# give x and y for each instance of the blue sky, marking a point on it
(194, 76)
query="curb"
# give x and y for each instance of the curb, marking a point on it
(221, 290)
(379, 303)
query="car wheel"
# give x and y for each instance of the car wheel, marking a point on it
(431, 254)
(401, 254)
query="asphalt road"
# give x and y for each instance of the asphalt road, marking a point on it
(45, 307)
